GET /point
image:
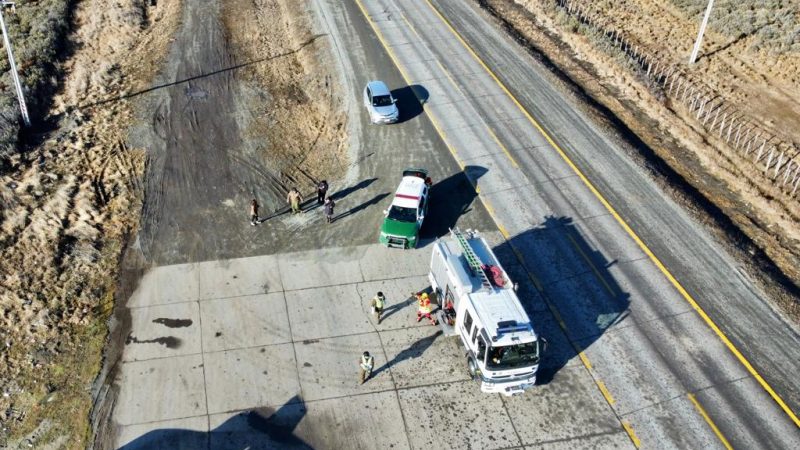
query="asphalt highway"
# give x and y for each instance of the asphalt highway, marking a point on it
(246, 337)
(683, 347)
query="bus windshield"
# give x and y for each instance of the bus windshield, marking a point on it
(513, 356)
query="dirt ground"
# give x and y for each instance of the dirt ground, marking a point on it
(72, 204)
(68, 206)
(756, 75)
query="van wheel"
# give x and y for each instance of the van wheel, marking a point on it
(472, 367)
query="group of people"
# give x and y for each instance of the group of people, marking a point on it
(294, 198)
(378, 303)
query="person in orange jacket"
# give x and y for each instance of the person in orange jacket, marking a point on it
(424, 308)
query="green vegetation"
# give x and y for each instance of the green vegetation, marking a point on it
(38, 30)
(773, 23)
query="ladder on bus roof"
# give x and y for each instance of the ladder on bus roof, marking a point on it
(473, 260)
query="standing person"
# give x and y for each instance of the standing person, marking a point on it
(322, 190)
(424, 307)
(329, 204)
(367, 362)
(294, 198)
(378, 302)
(254, 212)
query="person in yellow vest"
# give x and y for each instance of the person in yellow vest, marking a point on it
(424, 307)
(367, 362)
(378, 302)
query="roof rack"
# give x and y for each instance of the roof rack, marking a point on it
(475, 263)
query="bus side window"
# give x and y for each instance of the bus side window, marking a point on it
(474, 335)
(467, 321)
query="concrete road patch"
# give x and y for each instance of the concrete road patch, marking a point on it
(247, 321)
(162, 331)
(251, 377)
(160, 389)
(329, 368)
(472, 419)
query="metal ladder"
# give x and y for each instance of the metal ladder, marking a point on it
(473, 260)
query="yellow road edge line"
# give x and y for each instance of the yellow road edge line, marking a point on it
(591, 265)
(503, 231)
(585, 360)
(605, 392)
(732, 348)
(629, 429)
(708, 420)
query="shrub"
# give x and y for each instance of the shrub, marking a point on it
(38, 30)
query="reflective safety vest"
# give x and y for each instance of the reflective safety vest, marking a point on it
(379, 302)
(425, 306)
(367, 362)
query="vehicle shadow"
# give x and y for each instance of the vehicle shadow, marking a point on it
(373, 201)
(563, 278)
(409, 101)
(415, 350)
(450, 199)
(260, 428)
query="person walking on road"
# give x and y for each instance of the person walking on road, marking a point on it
(329, 204)
(367, 362)
(322, 191)
(424, 307)
(254, 212)
(294, 198)
(378, 302)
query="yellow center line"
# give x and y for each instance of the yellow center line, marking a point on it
(591, 265)
(629, 429)
(709, 421)
(605, 392)
(732, 348)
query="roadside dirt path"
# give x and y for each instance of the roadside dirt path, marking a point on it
(199, 159)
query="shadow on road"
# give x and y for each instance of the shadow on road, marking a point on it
(450, 199)
(575, 281)
(189, 91)
(373, 201)
(409, 101)
(393, 309)
(349, 190)
(261, 428)
(414, 351)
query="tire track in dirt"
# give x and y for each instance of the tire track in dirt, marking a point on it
(198, 156)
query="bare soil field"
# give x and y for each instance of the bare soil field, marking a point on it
(69, 204)
(749, 59)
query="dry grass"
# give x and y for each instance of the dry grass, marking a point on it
(758, 83)
(64, 222)
(303, 121)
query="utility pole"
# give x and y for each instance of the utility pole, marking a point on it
(7, 42)
(697, 43)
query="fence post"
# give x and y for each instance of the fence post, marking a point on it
(722, 124)
(778, 165)
(769, 160)
(730, 127)
(738, 131)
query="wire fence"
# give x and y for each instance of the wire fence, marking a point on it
(766, 155)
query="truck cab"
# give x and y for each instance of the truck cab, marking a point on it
(405, 215)
(502, 348)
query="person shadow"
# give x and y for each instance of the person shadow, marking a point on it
(373, 201)
(415, 350)
(393, 309)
